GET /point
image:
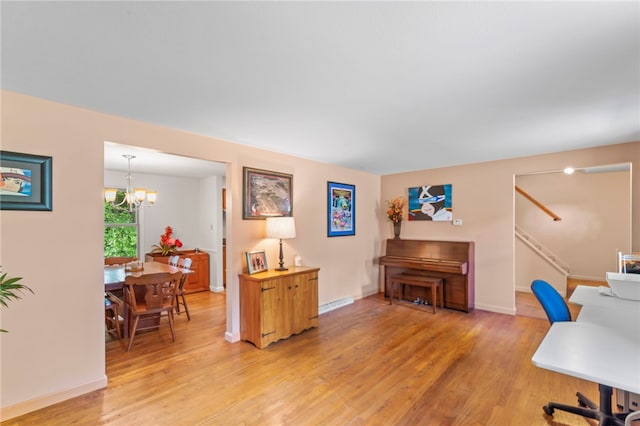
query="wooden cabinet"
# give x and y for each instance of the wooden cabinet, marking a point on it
(199, 279)
(277, 304)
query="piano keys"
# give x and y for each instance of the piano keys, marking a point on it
(453, 261)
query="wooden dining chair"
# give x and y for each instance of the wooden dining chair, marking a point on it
(118, 260)
(149, 298)
(184, 263)
(112, 306)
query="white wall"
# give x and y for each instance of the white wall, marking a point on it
(188, 205)
(192, 207)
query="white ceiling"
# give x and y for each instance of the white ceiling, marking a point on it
(378, 86)
(158, 163)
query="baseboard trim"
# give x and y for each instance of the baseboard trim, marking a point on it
(330, 306)
(496, 309)
(34, 404)
(231, 338)
(217, 289)
(586, 278)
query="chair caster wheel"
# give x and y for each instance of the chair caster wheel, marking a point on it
(548, 410)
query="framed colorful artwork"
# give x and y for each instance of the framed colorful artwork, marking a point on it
(341, 209)
(256, 261)
(25, 181)
(266, 194)
(430, 202)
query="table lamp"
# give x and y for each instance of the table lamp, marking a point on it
(281, 228)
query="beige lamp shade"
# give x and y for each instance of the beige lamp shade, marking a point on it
(281, 227)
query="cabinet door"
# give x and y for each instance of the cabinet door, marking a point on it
(306, 302)
(299, 294)
(199, 279)
(269, 311)
(311, 300)
(285, 307)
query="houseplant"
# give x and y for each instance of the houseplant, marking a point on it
(10, 289)
(168, 244)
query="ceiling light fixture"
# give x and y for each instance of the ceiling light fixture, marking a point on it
(569, 171)
(133, 198)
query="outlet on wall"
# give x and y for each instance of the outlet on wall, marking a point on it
(457, 222)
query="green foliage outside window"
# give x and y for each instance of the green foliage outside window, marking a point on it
(120, 230)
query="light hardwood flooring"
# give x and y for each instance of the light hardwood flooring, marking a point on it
(528, 305)
(367, 364)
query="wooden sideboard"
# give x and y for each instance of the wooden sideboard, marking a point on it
(199, 279)
(277, 304)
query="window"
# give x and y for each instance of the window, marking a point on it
(120, 229)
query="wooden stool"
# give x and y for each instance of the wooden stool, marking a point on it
(434, 283)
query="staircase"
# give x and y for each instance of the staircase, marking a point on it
(542, 251)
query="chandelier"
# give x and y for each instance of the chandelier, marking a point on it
(133, 198)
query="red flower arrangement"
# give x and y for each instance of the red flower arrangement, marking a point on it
(168, 244)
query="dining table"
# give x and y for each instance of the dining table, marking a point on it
(114, 277)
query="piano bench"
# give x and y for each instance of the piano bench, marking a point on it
(433, 283)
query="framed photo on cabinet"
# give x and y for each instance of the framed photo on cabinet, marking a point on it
(256, 261)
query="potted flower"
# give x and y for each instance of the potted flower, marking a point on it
(395, 210)
(10, 289)
(168, 244)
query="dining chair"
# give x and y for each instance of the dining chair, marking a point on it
(632, 419)
(118, 260)
(184, 263)
(149, 298)
(112, 314)
(173, 260)
(557, 310)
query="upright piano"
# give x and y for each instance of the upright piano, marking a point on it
(453, 261)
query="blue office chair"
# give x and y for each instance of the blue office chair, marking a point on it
(552, 302)
(557, 311)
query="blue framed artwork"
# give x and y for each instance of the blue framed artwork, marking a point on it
(25, 181)
(341, 209)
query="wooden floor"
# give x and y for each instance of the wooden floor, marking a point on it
(367, 364)
(528, 305)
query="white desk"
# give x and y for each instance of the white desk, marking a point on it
(625, 323)
(601, 346)
(589, 296)
(591, 352)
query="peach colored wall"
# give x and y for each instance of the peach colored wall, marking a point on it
(41, 365)
(483, 197)
(59, 253)
(596, 218)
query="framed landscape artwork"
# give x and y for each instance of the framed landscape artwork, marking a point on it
(341, 209)
(266, 194)
(25, 181)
